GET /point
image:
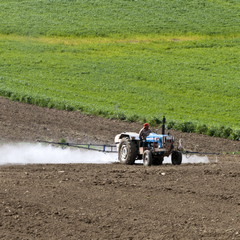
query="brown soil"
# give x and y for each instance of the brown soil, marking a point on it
(94, 201)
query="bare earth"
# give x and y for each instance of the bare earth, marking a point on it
(108, 201)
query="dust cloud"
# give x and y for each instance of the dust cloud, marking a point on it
(26, 153)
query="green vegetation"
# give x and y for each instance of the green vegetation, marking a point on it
(63, 140)
(119, 17)
(131, 60)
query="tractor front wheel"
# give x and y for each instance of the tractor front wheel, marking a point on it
(147, 158)
(176, 158)
(127, 151)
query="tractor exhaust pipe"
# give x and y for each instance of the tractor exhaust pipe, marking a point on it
(163, 125)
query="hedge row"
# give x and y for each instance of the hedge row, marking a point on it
(215, 131)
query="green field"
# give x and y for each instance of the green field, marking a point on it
(119, 17)
(131, 60)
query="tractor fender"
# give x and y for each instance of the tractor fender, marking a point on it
(130, 135)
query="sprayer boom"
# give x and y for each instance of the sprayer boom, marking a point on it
(89, 146)
(201, 153)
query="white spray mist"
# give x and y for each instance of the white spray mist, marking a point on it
(22, 153)
(47, 154)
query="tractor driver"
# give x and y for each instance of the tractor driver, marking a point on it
(144, 132)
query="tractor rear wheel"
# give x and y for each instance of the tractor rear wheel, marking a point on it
(127, 151)
(176, 158)
(147, 158)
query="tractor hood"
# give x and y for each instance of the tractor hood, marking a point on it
(160, 138)
(155, 137)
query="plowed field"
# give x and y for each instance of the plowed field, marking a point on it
(108, 201)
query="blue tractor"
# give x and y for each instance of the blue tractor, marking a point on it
(151, 151)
